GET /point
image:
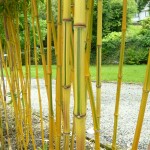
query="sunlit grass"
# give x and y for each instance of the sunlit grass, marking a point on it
(131, 73)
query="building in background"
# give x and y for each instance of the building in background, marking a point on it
(145, 13)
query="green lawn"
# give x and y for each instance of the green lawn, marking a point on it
(131, 73)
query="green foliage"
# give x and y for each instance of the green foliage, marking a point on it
(106, 17)
(116, 16)
(110, 47)
(133, 30)
(45, 146)
(1, 28)
(136, 57)
(112, 21)
(39, 58)
(141, 4)
(1, 7)
(137, 46)
(112, 15)
(136, 49)
(18, 7)
(132, 9)
(146, 24)
(54, 10)
(12, 7)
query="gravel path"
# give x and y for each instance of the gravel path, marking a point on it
(129, 107)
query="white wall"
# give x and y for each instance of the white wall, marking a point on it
(142, 15)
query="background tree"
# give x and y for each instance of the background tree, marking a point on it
(112, 15)
(141, 4)
(112, 18)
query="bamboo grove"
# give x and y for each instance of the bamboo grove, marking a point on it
(72, 41)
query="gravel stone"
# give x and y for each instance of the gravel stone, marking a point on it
(128, 113)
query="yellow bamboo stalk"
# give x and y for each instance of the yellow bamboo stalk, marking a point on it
(28, 75)
(146, 89)
(59, 76)
(49, 93)
(66, 70)
(16, 43)
(12, 34)
(10, 42)
(99, 59)
(94, 116)
(72, 78)
(26, 72)
(17, 105)
(29, 93)
(98, 62)
(89, 22)
(18, 99)
(54, 34)
(18, 125)
(38, 84)
(79, 73)
(17, 87)
(10, 47)
(49, 73)
(17, 55)
(72, 8)
(19, 74)
(116, 113)
(40, 40)
(3, 103)
(72, 55)
(1, 128)
(6, 119)
(72, 75)
(21, 106)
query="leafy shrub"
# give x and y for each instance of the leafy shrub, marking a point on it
(112, 15)
(146, 23)
(137, 45)
(136, 49)
(136, 57)
(110, 48)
